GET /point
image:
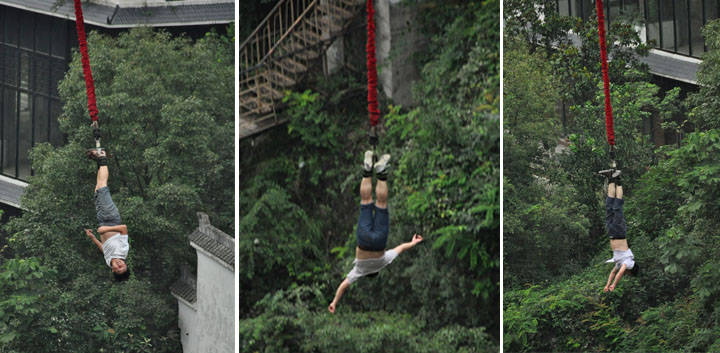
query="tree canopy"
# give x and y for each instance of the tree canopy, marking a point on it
(555, 241)
(166, 116)
(299, 206)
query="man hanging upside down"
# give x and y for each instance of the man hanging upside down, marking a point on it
(617, 230)
(113, 235)
(372, 230)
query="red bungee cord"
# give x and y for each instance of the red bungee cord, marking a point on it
(87, 72)
(373, 110)
(606, 79)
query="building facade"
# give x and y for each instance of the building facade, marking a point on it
(675, 25)
(206, 302)
(675, 28)
(36, 42)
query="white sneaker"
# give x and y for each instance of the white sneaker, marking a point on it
(368, 162)
(381, 165)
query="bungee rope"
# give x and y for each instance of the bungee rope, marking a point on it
(606, 81)
(373, 110)
(87, 72)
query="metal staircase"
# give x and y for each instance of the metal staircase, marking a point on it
(286, 44)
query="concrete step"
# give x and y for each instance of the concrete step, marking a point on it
(300, 50)
(335, 10)
(281, 80)
(325, 23)
(290, 65)
(308, 35)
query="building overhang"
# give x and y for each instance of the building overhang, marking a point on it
(673, 66)
(111, 14)
(11, 190)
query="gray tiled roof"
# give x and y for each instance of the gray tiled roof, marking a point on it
(184, 290)
(157, 14)
(11, 191)
(208, 242)
(673, 66)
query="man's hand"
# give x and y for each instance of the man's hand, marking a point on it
(612, 287)
(331, 307)
(92, 237)
(606, 288)
(416, 239)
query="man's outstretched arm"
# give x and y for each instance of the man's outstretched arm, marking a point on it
(404, 246)
(94, 239)
(340, 291)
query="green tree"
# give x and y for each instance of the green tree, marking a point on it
(167, 120)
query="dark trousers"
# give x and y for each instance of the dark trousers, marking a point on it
(372, 229)
(614, 218)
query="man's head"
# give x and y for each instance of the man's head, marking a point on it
(634, 271)
(119, 269)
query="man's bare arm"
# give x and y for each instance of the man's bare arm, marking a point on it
(120, 228)
(610, 278)
(340, 291)
(92, 237)
(404, 246)
(618, 276)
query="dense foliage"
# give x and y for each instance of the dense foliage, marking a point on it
(299, 206)
(166, 116)
(555, 242)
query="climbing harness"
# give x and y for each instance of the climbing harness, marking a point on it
(87, 72)
(606, 81)
(373, 110)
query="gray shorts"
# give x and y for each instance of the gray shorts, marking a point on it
(107, 212)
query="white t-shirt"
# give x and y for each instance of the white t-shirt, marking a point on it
(623, 257)
(116, 247)
(369, 266)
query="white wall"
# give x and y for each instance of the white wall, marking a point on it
(188, 324)
(215, 306)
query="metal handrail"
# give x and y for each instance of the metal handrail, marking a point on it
(264, 74)
(261, 24)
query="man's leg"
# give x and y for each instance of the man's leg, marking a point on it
(381, 194)
(102, 177)
(381, 189)
(366, 191)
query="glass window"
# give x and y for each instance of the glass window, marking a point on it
(27, 30)
(667, 24)
(25, 136)
(653, 21)
(682, 27)
(564, 7)
(26, 70)
(9, 133)
(10, 64)
(59, 37)
(711, 10)
(696, 22)
(57, 72)
(583, 8)
(630, 7)
(612, 10)
(3, 9)
(42, 122)
(11, 25)
(42, 35)
(42, 74)
(56, 136)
